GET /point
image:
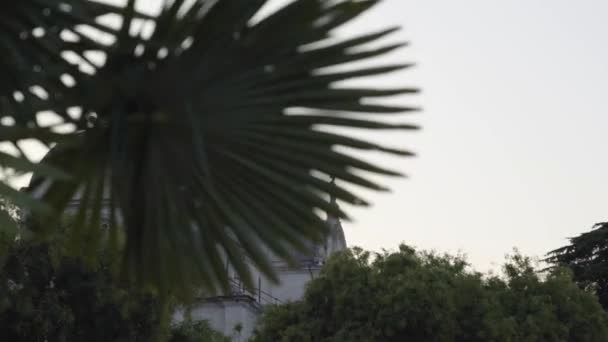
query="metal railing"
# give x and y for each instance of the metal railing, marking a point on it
(260, 296)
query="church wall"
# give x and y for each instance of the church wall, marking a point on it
(225, 314)
(292, 283)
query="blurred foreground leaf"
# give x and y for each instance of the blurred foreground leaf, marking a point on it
(206, 139)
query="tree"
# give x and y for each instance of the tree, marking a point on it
(587, 257)
(418, 296)
(9, 218)
(200, 331)
(200, 125)
(46, 295)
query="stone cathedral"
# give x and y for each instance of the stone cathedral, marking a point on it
(236, 313)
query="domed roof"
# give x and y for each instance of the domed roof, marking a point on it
(333, 242)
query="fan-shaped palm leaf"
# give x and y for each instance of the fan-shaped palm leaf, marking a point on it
(37, 39)
(195, 150)
(45, 47)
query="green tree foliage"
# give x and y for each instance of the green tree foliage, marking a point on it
(10, 217)
(200, 331)
(48, 296)
(45, 296)
(587, 256)
(415, 296)
(203, 126)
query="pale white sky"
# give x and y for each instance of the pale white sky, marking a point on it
(513, 147)
(511, 153)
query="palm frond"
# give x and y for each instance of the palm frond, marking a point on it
(46, 48)
(35, 37)
(194, 146)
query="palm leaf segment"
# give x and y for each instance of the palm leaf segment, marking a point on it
(37, 76)
(196, 150)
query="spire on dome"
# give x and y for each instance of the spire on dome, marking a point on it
(333, 202)
(335, 240)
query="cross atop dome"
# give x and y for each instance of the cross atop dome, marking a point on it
(335, 240)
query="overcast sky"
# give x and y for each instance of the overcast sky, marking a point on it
(512, 153)
(513, 150)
